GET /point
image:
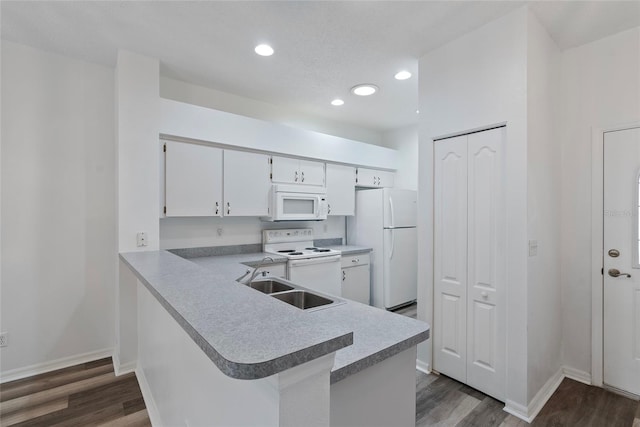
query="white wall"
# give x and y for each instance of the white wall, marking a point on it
(58, 216)
(544, 309)
(203, 232)
(600, 88)
(405, 141)
(476, 81)
(137, 119)
(223, 101)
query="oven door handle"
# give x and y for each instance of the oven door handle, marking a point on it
(318, 260)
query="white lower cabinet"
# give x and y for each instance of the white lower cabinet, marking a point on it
(469, 335)
(356, 277)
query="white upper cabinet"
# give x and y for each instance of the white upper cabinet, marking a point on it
(294, 171)
(341, 192)
(374, 178)
(193, 180)
(246, 184)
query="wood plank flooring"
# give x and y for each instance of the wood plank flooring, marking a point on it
(442, 401)
(91, 395)
(83, 395)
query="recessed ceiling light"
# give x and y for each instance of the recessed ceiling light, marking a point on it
(417, 111)
(337, 102)
(364, 89)
(402, 75)
(264, 50)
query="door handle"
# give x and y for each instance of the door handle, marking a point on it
(302, 175)
(228, 208)
(296, 176)
(217, 208)
(614, 272)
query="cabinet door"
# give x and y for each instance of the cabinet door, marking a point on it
(246, 184)
(285, 170)
(311, 173)
(386, 178)
(367, 178)
(341, 191)
(193, 180)
(355, 283)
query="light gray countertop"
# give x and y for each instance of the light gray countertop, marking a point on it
(350, 249)
(250, 335)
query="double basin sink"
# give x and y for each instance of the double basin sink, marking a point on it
(299, 298)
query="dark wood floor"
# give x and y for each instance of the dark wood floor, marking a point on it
(83, 395)
(442, 401)
(91, 395)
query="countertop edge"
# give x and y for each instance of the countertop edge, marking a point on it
(246, 371)
(360, 365)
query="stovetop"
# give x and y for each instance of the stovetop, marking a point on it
(294, 244)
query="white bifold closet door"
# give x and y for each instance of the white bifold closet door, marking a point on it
(469, 260)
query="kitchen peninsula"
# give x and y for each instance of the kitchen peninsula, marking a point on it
(214, 352)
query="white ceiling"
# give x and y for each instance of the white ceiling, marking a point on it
(323, 48)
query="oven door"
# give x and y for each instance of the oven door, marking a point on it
(320, 274)
(298, 207)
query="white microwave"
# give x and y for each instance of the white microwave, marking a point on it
(297, 203)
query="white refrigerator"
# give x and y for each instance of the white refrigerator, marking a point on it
(385, 220)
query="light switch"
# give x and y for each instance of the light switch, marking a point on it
(533, 248)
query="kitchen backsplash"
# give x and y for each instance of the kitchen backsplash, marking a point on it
(206, 232)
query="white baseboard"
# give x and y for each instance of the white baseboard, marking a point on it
(152, 409)
(65, 362)
(122, 368)
(423, 366)
(577, 374)
(544, 394)
(517, 410)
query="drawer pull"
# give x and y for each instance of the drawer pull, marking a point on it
(355, 260)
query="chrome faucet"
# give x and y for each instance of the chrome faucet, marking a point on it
(255, 271)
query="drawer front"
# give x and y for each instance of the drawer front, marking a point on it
(354, 260)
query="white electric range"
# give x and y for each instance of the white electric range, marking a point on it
(309, 266)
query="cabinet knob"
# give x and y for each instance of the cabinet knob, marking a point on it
(484, 294)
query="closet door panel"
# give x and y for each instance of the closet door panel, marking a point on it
(486, 254)
(450, 257)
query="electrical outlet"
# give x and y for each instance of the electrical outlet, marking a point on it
(142, 239)
(220, 231)
(4, 339)
(533, 248)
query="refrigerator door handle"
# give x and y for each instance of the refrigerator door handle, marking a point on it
(391, 209)
(393, 244)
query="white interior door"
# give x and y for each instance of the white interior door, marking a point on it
(621, 260)
(486, 241)
(450, 258)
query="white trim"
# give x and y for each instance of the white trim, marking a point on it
(65, 362)
(539, 400)
(597, 242)
(423, 366)
(147, 396)
(576, 375)
(122, 369)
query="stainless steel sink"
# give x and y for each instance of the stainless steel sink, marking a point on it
(302, 299)
(269, 286)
